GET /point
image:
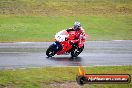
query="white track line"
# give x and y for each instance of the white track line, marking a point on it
(14, 52)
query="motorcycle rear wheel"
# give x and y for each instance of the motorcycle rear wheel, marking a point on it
(76, 51)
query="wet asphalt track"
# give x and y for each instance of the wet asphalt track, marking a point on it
(31, 54)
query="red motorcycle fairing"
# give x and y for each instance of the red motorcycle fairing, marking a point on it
(66, 46)
(76, 34)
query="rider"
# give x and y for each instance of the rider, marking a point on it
(80, 34)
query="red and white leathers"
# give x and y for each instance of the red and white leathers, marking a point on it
(79, 36)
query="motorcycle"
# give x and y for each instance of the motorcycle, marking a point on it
(65, 43)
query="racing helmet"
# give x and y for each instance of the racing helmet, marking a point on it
(77, 26)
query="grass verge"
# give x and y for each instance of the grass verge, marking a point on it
(39, 29)
(39, 20)
(43, 77)
(65, 7)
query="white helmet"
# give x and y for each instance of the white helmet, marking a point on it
(77, 26)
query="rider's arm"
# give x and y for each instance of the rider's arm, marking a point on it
(83, 34)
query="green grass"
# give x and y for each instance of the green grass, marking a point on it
(43, 28)
(39, 20)
(40, 77)
(65, 7)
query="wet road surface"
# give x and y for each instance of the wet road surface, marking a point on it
(32, 54)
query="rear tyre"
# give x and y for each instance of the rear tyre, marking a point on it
(50, 51)
(76, 51)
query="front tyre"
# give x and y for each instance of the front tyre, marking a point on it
(76, 51)
(50, 51)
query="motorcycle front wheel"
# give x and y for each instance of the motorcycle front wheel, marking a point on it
(50, 51)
